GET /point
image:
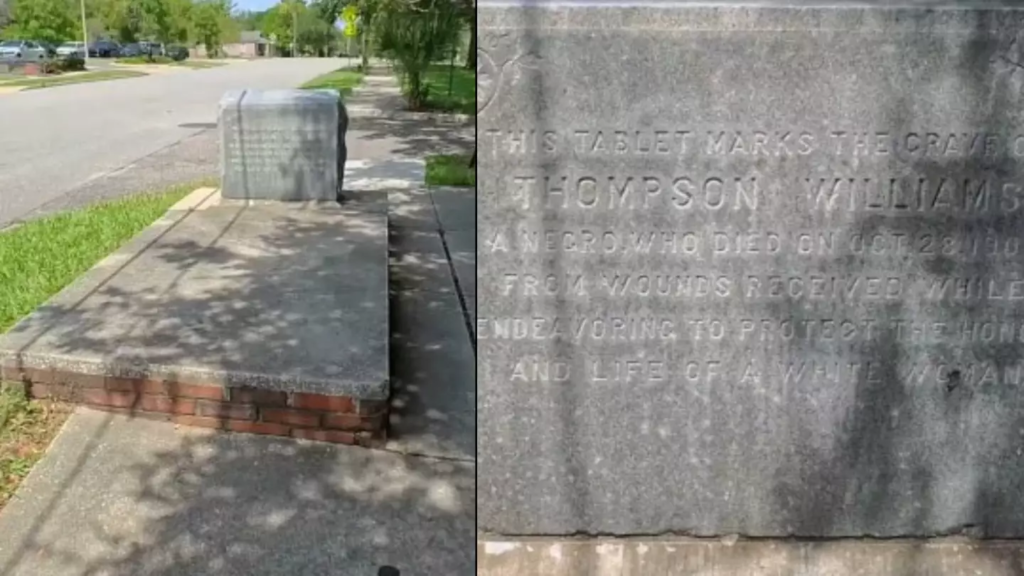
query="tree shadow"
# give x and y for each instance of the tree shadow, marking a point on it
(260, 295)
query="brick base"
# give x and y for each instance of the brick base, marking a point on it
(339, 419)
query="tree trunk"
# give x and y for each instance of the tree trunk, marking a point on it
(471, 53)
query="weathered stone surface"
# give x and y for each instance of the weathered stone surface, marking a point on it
(728, 557)
(751, 270)
(282, 144)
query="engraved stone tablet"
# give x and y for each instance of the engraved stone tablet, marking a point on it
(752, 270)
(282, 144)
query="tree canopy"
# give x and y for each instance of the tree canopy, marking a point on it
(170, 21)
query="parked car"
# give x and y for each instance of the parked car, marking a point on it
(69, 49)
(22, 50)
(131, 51)
(152, 48)
(104, 49)
(51, 50)
(177, 53)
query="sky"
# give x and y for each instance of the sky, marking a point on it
(254, 4)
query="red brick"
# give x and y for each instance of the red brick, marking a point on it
(55, 392)
(123, 384)
(199, 421)
(258, 396)
(292, 417)
(225, 410)
(258, 428)
(157, 403)
(132, 413)
(78, 380)
(371, 407)
(354, 422)
(336, 436)
(108, 398)
(187, 390)
(323, 402)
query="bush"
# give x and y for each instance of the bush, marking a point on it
(145, 60)
(72, 64)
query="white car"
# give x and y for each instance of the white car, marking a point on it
(21, 50)
(71, 49)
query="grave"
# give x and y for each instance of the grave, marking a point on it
(282, 144)
(751, 271)
(260, 307)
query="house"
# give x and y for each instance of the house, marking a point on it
(251, 44)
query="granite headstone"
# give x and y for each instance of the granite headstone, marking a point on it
(751, 270)
(282, 144)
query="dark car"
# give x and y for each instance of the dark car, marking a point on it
(152, 48)
(51, 50)
(104, 49)
(177, 53)
(132, 50)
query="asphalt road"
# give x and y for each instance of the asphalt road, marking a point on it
(68, 145)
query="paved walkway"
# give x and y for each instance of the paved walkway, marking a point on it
(122, 496)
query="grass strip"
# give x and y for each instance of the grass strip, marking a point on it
(41, 257)
(459, 97)
(37, 83)
(27, 427)
(344, 81)
(450, 170)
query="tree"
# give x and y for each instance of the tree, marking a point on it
(328, 11)
(210, 20)
(413, 34)
(46, 20)
(314, 33)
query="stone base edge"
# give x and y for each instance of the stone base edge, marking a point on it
(309, 416)
(442, 117)
(692, 557)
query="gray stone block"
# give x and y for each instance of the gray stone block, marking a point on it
(751, 270)
(282, 144)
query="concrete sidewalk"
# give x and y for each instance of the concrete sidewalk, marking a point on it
(121, 497)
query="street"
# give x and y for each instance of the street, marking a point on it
(64, 146)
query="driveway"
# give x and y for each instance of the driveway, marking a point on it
(58, 144)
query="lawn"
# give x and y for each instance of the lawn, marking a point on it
(450, 170)
(41, 257)
(26, 429)
(462, 97)
(344, 81)
(47, 82)
(199, 64)
(143, 60)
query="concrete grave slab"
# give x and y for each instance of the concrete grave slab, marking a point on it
(277, 297)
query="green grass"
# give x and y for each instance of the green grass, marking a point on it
(450, 170)
(26, 429)
(463, 93)
(145, 60)
(37, 83)
(344, 81)
(200, 64)
(41, 257)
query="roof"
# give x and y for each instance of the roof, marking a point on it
(252, 37)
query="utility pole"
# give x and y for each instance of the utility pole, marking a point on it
(85, 37)
(295, 28)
